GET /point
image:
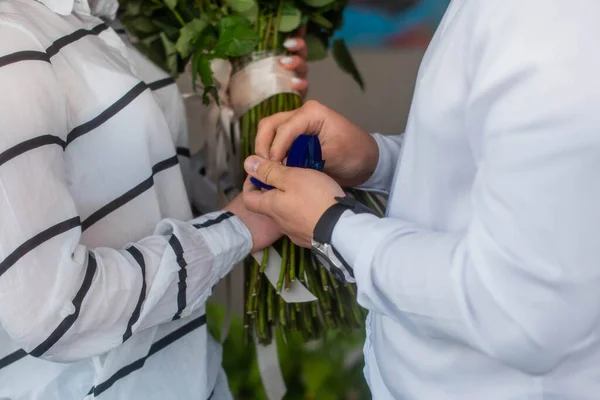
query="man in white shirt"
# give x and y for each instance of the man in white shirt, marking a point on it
(104, 272)
(483, 279)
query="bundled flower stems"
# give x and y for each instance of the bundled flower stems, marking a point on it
(250, 35)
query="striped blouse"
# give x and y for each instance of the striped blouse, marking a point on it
(104, 273)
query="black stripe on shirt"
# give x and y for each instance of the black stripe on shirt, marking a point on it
(30, 144)
(155, 348)
(28, 55)
(161, 83)
(139, 258)
(12, 358)
(111, 111)
(165, 164)
(68, 321)
(225, 216)
(73, 37)
(181, 295)
(184, 152)
(36, 241)
(129, 195)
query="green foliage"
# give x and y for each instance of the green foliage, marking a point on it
(236, 37)
(173, 32)
(318, 3)
(314, 372)
(188, 34)
(291, 17)
(318, 49)
(242, 6)
(344, 60)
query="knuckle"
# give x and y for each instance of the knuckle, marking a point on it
(268, 171)
(265, 124)
(283, 131)
(312, 105)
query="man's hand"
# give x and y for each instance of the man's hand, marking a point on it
(263, 229)
(297, 62)
(350, 153)
(299, 199)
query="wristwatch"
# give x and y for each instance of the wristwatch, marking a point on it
(322, 248)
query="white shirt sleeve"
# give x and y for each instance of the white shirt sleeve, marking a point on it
(389, 156)
(521, 284)
(59, 299)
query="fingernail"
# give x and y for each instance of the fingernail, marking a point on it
(296, 81)
(290, 43)
(251, 164)
(286, 60)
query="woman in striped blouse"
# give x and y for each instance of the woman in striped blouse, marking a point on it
(104, 272)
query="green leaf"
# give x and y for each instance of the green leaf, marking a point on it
(251, 14)
(147, 41)
(187, 35)
(143, 25)
(212, 91)
(344, 60)
(241, 6)
(133, 7)
(236, 37)
(291, 17)
(149, 8)
(305, 19)
(206, 41)
(170, 54)
(230, 22)
(201, 66)
(171, 4)
(318, 3)
(166, 27)
(321, 20)
(317, 48)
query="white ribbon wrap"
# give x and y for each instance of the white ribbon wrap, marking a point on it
(297, 293)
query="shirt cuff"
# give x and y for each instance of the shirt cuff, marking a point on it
(227, 238)
(344, 241)
(217, 241)
(389, 153)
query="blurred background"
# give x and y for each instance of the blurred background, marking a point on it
(388, 39)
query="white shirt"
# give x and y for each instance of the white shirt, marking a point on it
(103, 272)
(483, 281)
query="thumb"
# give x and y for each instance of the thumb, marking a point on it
(267, 171)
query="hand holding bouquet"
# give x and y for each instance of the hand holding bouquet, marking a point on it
(248, 35)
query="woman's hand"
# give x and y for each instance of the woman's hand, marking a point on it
(263, 229)
(297, 61)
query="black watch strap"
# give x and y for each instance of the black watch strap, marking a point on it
(324, 228)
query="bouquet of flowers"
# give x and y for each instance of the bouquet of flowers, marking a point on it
(232, 48)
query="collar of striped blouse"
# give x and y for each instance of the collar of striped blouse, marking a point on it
(98, 8)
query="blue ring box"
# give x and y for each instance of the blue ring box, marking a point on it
(304, 153)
